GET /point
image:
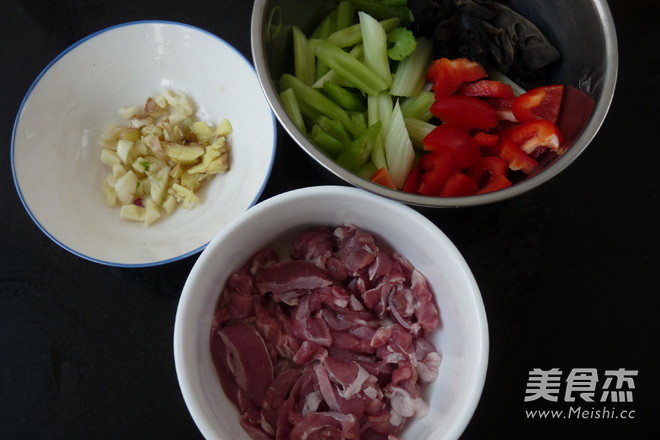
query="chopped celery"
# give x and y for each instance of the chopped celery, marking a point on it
(379, 108)
(334, 129)
(345, 11)
(359, 123)
(356, 52)
(290, 104)
(345, 98)
(410, 74)
(367, 171)
(326, 142)
(309, 113)
(404, 43)
(303, 57)
(356, 155)
(399, 151)
(418, 106)
(353, 34)
(418, 129)
(327, 26)
(345, 65)
(374, 40)
(316, 99)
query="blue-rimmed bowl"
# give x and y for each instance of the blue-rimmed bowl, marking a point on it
(55, 152)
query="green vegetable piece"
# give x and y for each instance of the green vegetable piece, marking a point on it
(303, 57)
(353, 70)
(404, 43)
(410, 74)
(360, 124)
(345, 11)
(352, 35)
(345, 98)
(334, 129)
(326, 142)
(367, 171)
(418, 106)
(291, 107)
(418, 129)
(315, 99)
(357, 153)
(374, 39)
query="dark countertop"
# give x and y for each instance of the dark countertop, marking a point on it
(569, 272)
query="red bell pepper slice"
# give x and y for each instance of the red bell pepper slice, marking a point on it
(536, 135)
(575, 112)
(490, 174)
(447, 75)
(495, 183)
(412, 182)
(458, 142)
(439, 166)
(465, 112)
(488, 143)
(518, 160)
(382, 177)
(486, 88)
(539, 103)
(459, 185)
(503, 108)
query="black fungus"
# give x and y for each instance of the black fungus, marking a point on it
(486, 31)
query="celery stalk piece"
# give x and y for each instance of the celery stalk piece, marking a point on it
(379, 108)
(326, 142)
(367, 171)
(345, 65)
(410, 74)
(303, 57)
(378, 153)
(399, 150)
(357, 154)
(345, 11)
(374, 40)
(359, 124)
(316, 100)
(352, 35)
(327, 26)
(334, 129)
(290, 104)
(418, 106)
(356, 52)
(345, 98)
(309, 113)
(418, 129)
(498, 75)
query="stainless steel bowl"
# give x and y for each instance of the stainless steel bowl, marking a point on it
(583, 32)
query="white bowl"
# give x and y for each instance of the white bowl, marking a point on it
(56, 158)
(462, 340)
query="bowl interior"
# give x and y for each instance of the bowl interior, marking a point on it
(55, 145)
(583, 32)
(462, 341)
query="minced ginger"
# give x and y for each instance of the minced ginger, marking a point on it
(161, 158)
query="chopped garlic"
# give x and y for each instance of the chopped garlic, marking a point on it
(161, 158)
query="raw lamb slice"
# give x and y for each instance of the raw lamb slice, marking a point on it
(290, 276)
(247, 359)
(326, 425)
